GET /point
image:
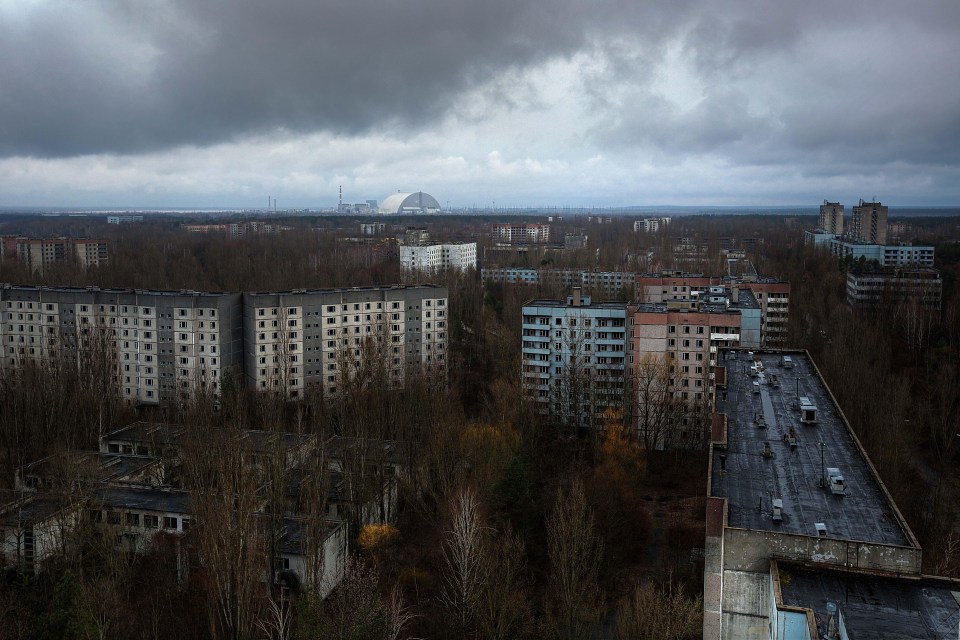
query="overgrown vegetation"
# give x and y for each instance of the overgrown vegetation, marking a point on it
(508, 528)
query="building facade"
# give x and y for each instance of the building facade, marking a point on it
(674, 354)
(895, 287)
(831, 218)
(165, 345)
(884, 255)
(438, 257)
(869, 223)
(38, 254)
(650, 225)
(510, 232)
(611, 285)
(575, 360)
(124, 219)
(772, 296)
(301, 339)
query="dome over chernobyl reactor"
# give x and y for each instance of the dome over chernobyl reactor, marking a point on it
(409, 204)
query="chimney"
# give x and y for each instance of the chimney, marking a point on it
(577, 301)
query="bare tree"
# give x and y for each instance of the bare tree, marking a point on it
(228, 534)
(463, 561)
(652, 612)
(575, 553)
(503, 611)
(651, 390)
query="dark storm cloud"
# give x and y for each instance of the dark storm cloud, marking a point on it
(779, 81)
(799, 83)
(113, 76)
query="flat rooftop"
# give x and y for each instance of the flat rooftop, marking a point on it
(614, 306)
(152, 432)
(873, 606)
(145, 499)
(792, 474)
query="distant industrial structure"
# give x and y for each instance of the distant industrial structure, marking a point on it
(419, 203)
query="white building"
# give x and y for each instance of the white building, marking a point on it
(650, 225)
(439, 257)
(510, 232)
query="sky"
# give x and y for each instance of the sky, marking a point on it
(224, 103)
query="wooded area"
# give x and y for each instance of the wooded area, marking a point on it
(508, 527)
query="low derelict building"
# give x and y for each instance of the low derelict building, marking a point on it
(788, 482)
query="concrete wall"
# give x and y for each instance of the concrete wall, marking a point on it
(750, 550)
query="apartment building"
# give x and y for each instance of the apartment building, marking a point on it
(674, 352)
(650, 225)
(884, 255)
(510, 232)
(297, 339)
(164, 343)
(831, 218)
(875, 290)
(40, 253)
(169, 344)
(772, 295)
(869, 223)
(124, 219)
(439, 257)
(575, 360)
(608, 284)
(236, 230)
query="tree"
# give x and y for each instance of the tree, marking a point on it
(357, 610)
(652, 612)
(503, 607)
(463, 561)
(575, 553)
(229, 536)
(653, 406)
(69, 616)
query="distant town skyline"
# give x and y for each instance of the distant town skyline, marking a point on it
(180, 104)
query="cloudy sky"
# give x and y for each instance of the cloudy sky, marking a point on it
(220, 103)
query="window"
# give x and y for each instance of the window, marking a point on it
(170, 522)
(151, 522)
(133, 519)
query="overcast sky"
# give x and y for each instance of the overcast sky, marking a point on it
(220, 103)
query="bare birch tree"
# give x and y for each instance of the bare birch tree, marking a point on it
(463, 561)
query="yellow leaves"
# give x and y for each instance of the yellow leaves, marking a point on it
(617, 449)
(375, 537)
